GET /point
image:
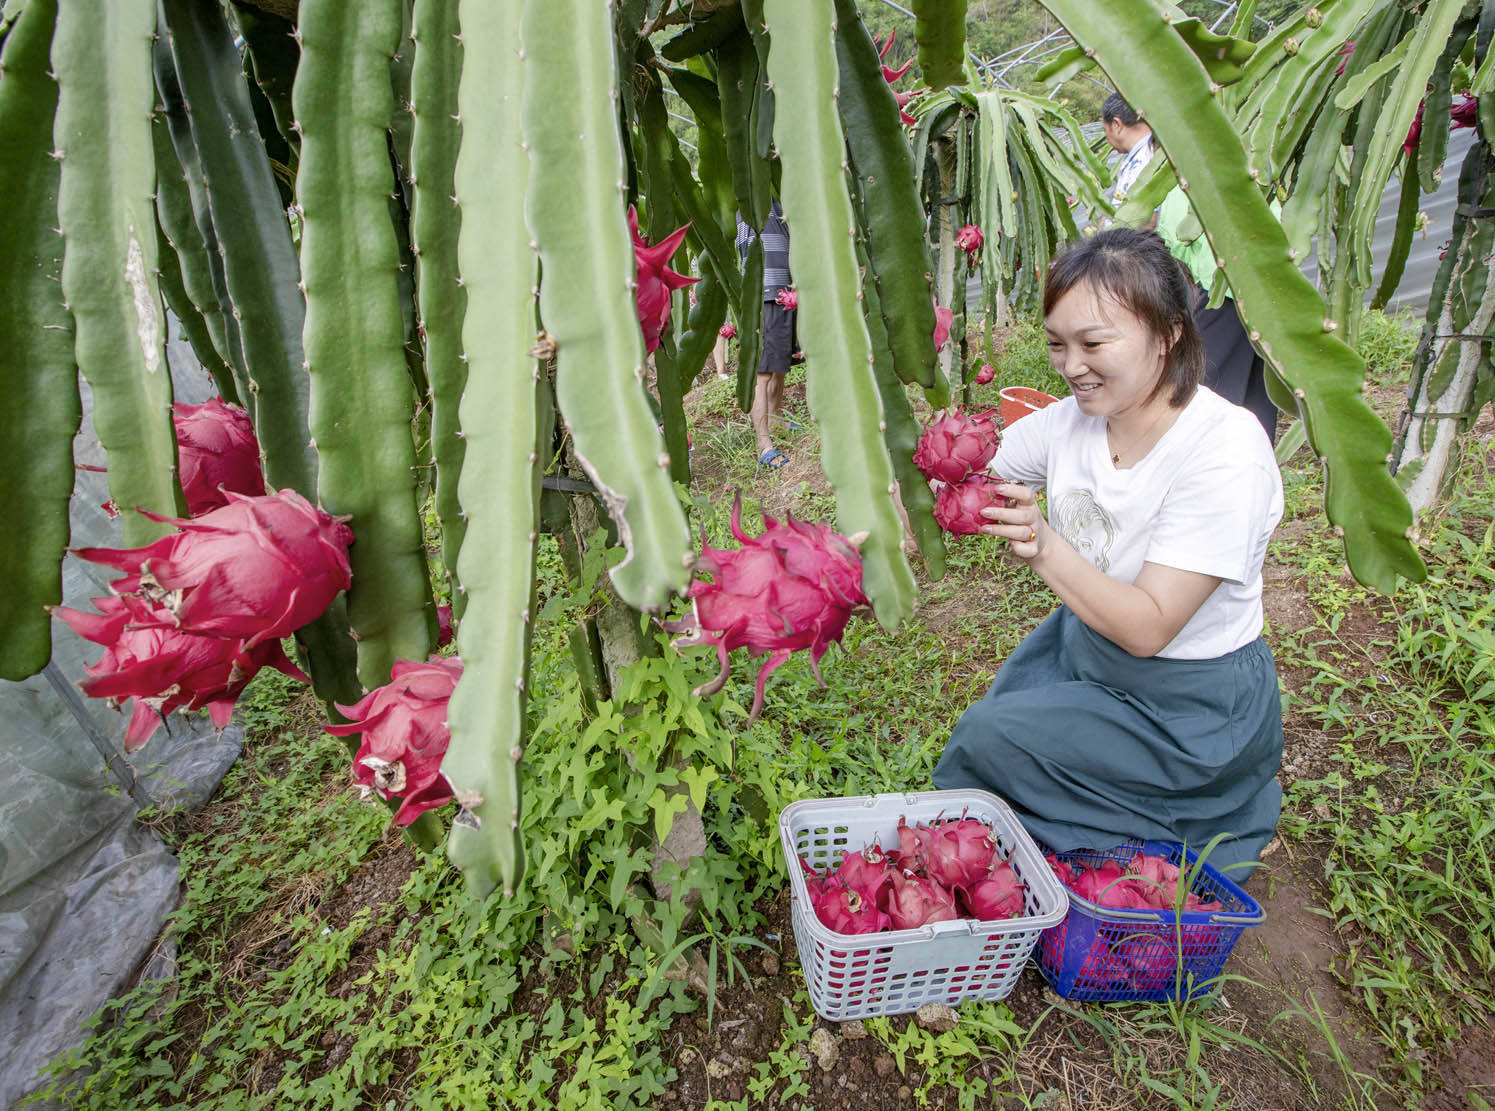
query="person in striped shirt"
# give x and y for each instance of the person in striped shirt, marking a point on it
(778, 329)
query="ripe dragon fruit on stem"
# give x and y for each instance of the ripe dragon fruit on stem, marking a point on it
(943, 319)
(789, 298)
(955, 443)
(958, 506)
(793, 587)
(164, 668)
(985, 374)
(256, 570)
(969, 240)
(655, 281)
(216, 451)
(405, 735)
(727, 330)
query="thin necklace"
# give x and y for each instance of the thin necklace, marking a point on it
(1116, 455)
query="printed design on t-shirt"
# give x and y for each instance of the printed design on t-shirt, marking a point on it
(1088, 528)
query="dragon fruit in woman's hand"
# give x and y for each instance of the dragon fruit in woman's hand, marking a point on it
(957, 507)
(791, 588)
(955, 443)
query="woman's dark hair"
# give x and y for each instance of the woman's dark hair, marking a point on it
(1135, 268)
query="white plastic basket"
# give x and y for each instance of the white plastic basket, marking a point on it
(861, 975)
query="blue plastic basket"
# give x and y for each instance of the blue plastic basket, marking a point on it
(1102, 954)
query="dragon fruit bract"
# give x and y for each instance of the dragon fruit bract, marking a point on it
(405, 735)
(956, 443)
(655, 280)
(216, 451)
(943, 318)
(257, 569)
(164, 668)
(957, 507)
(791, 588)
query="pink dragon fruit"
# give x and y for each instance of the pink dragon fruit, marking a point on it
(960, 852)
(444, 630)
(655, 281)
(958, 506)
(867, 871)
(997, 894)
(846, 910)
(1064, 871)
(985, 375)
(216, 451)
(943, 318)
(915, 844)
(914, 901)
(164, 668)
(405, 735)
(258, 569)
(727, 330)
(955, 443)
(1108, 886)
(789, 298)
(791, 588)
(969, 240)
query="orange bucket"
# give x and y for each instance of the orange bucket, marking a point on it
(1019, 401)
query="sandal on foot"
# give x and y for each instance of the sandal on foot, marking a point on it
(773, 459)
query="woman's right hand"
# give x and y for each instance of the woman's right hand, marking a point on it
(1019, 521)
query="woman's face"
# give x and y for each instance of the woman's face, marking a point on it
(1109, 357)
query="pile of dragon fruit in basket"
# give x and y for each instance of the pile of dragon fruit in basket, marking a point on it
(951, 869)
(955, 869)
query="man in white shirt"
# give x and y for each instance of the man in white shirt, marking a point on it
(1129, 134)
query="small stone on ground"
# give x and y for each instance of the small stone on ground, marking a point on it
(937, 1017)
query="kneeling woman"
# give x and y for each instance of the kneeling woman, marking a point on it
(1147, 704)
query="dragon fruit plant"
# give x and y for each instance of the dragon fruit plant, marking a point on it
(791, 588)
(655, 280)
(405, 735)
(951, 869)
(216, 452)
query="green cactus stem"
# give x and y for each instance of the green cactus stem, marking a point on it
(1287, 321)
(506, 426)
(101, 55)
(740, 83)
(360, 390)
(260, 268)
(42, 409)
(900, 266)
(574, 208)
(434, 224)
(940, 31)
(822, 256)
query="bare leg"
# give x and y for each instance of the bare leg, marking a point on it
(719, 356)
(767, 399)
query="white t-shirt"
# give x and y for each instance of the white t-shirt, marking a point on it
(1205, 498)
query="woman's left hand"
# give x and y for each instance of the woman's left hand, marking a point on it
(1019, 521)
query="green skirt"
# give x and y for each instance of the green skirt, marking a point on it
(1092, 746)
